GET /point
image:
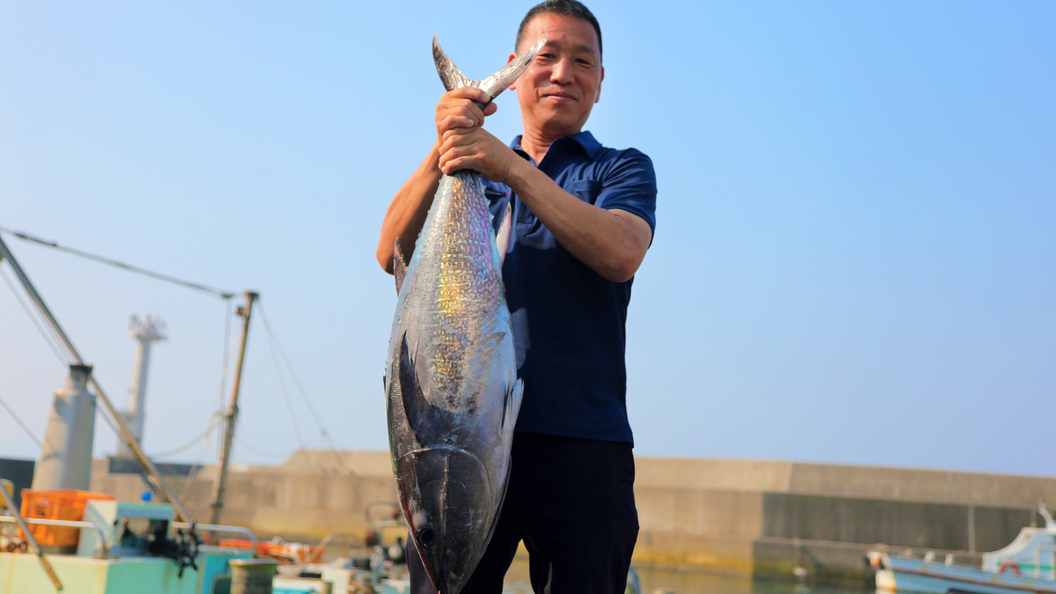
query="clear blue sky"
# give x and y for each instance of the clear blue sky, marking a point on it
(855, 257)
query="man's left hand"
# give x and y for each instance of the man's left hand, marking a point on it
(476, 149)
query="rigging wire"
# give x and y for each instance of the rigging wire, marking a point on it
(52, 340)
(212, 424)
(48, 336)
(276, 348)
(304, 394)
(196, 468)
(129, 267)
(258, 452)
(217, 404)
(282, 382)
(193, 474)
(39, 443)
(109, 421)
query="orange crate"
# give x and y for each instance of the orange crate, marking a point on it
(57, 505)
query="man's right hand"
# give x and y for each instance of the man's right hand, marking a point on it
(459, 109)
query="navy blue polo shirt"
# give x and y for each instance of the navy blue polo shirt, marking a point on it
(575, 378)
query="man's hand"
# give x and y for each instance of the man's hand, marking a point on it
(462, 143)
(459, 109)
(478, 150)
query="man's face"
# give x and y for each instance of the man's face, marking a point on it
(561, 86)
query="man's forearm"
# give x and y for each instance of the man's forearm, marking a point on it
(612, 242)
(408, 209)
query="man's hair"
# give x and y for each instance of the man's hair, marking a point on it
(570, 8)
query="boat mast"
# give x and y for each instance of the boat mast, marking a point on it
(231, 414)
(130, 441)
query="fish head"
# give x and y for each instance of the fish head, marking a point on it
(445, 499)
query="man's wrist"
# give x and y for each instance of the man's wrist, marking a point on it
(515, 175)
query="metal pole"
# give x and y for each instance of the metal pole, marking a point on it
(231, 414)
(32, 541)
(133, 445)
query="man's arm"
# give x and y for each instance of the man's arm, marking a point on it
(406, 214)
(612, 242)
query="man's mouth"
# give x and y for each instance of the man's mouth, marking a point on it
(559, 96)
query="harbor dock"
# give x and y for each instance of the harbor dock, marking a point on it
(745, 518)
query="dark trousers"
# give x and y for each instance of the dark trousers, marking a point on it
(572, 503)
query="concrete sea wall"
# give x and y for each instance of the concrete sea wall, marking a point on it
(763, 519)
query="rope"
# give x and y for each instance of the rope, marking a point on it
(157, 275)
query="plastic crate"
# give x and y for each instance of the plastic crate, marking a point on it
(57, 505)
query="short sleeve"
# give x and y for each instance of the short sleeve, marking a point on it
(629, 183)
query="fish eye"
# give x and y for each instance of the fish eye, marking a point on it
(425, 536)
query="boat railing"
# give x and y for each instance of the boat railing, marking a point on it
(100, 554)
(220, 528)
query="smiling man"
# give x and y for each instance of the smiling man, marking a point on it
(583, 219)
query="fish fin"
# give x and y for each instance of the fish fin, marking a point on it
(521, 340)
(502, 238)
(410, 388)
(497, 83)
(450, 75)
(399, 267)
(511, 405)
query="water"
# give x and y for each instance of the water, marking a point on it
(654, 581)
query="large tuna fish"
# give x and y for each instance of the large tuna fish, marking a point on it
(451, 382)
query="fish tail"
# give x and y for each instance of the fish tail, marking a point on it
(495, 84)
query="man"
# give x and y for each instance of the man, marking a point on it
(583, 219)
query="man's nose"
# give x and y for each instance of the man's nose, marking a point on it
(561, 72)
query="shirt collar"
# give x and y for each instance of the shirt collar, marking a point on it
(584, 139)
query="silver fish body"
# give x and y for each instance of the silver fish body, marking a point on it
(451, 381)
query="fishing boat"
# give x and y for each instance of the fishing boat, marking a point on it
(1027, 564)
